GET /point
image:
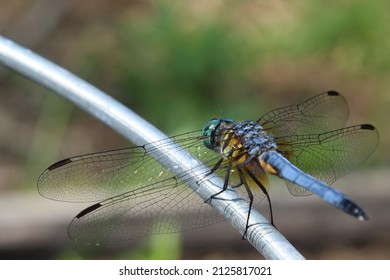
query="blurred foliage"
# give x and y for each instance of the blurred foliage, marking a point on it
(158, 247)
(155, 247)
(351, 33)
(178, 64)
(166, 58)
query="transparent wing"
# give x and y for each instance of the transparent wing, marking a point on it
(140, 197)
(321, 113)
(163, 207)
(98, 176)
(331, 155)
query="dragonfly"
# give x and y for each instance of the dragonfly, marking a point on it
(307, 145)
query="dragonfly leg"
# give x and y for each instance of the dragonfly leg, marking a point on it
(226, 181)
(264, 190)
(250, 196)
(215, 167)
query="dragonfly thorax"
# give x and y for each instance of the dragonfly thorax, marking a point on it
(246, 138)
(253, 138)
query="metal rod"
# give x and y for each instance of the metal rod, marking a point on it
(264, 237)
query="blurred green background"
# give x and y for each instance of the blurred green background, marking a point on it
(177, 64)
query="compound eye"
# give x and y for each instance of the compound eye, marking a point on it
(208, 131)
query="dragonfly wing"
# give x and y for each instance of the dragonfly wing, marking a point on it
(324, 112)
(91, 177)
(163, 207)
(139, 197)
(98, 176)
(331, 155)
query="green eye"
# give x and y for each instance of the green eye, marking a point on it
(208, 131)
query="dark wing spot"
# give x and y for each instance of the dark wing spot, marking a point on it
(88, 210)
(367, 127)
(60, 163)
(333, 93)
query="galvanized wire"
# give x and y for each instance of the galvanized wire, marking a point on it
(263, 236)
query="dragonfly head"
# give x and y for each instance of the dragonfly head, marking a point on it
(210, 128)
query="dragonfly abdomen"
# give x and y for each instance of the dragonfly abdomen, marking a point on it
(286, 170)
